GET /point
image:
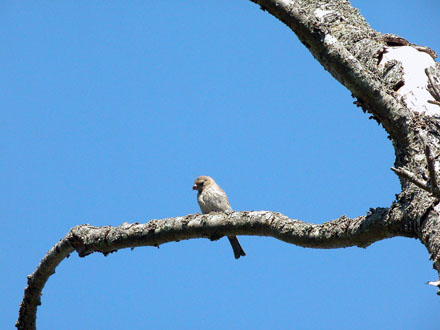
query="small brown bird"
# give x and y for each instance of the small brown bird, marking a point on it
(212, 198)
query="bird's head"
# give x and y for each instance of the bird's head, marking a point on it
(202, 182)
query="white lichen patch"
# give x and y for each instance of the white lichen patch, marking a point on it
(330, 40)
(414, 91)
(321, 13)
(437, 208)
(419, 157)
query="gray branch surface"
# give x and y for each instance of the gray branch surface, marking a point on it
(362, 231)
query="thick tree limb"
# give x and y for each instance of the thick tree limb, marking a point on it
(362, 231)
(343, 42)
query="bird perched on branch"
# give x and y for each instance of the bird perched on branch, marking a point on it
(212, 198)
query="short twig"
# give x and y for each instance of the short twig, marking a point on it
(437, 284)
(434, 283)
(431, 170)
(411, 177)
(434, 102)
(434, 90)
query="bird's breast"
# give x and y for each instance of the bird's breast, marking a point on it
(211, 201)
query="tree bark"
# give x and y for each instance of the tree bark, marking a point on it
(397, 82)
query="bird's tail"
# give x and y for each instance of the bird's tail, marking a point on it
(238, 250)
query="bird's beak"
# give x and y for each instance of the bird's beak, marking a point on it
(195, 187)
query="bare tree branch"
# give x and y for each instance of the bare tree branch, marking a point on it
(434, 283)
(434, 102)
(433, 188)
(384, 73)
(431, 170)
(362, 231)
(37, 280)
(435, 92)
(343, 42)
(412, 178)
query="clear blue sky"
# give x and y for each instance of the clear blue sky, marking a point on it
(110, 109)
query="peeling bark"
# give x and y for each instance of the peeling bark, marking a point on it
(403, 96)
